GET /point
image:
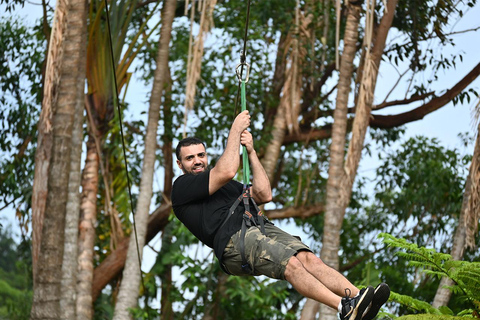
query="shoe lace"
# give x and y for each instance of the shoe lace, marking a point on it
(348, 293)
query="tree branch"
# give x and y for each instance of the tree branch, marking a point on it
(295, 212)
(384, 105)
(391, 121)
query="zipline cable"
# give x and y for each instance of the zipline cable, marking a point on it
(117, 105)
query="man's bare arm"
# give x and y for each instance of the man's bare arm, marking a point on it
(261, 189)
(227, 166)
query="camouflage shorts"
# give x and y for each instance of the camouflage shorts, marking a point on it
(267, 255)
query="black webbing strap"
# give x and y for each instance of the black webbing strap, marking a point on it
(248, 221)
(231, 211)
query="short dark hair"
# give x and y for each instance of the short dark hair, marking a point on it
(187, 142)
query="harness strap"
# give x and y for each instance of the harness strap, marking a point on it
(248, 221)
(231, 211)
(245, 265)
(261, 216)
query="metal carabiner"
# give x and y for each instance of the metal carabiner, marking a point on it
(239, 76)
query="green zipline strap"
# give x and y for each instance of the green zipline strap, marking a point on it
(246, 165)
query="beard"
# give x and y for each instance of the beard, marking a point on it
(196, 169)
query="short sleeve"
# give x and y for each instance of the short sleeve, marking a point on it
(190, 188)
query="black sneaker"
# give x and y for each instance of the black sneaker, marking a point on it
(380, 297)
(353, 308)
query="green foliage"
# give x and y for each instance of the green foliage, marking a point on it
(258, 298)
(465, 275)
(23, 53)
(417, 195)
(420, 182)
(422, 20)
(10, 5)
(15, 278)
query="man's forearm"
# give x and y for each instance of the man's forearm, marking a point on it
(261, 189)
(230, 160)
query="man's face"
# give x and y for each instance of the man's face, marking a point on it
(193, 159)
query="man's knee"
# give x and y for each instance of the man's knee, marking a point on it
(307, 258)
(293, 266)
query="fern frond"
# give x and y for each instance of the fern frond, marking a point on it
(465, 275)
(438, 274)
(414, 304)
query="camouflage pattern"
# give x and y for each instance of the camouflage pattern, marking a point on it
(267, 255)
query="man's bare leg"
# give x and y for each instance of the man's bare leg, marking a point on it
(328, 276)
(307, 285)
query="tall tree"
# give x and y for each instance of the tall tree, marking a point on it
(69, 266)
(61, 95)
(468, 219)
(342, 174)
(128, 294)
(332, 218)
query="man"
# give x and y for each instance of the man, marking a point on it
(202, 199)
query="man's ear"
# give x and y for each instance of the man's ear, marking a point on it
(179, 164)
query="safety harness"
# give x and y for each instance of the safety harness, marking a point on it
(250, 219)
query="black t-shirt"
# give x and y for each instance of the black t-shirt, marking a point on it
(203, 214)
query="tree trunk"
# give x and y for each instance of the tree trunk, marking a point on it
(289, 106)
(310, 310)
(86, 237)
(338, 203)
(167, 285)
(61, 93)
(69, 267)
(272, 152)
(442, 297)
(166, 303)
(128, 294)
(40, 183)
(364, 104)
(472, 214)
(45, 135)
(332, 218)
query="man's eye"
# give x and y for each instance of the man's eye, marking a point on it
(189, 158)
(201, 155)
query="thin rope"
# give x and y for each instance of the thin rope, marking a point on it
(117, 105)
(243, 56)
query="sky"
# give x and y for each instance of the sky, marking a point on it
(444, 124)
